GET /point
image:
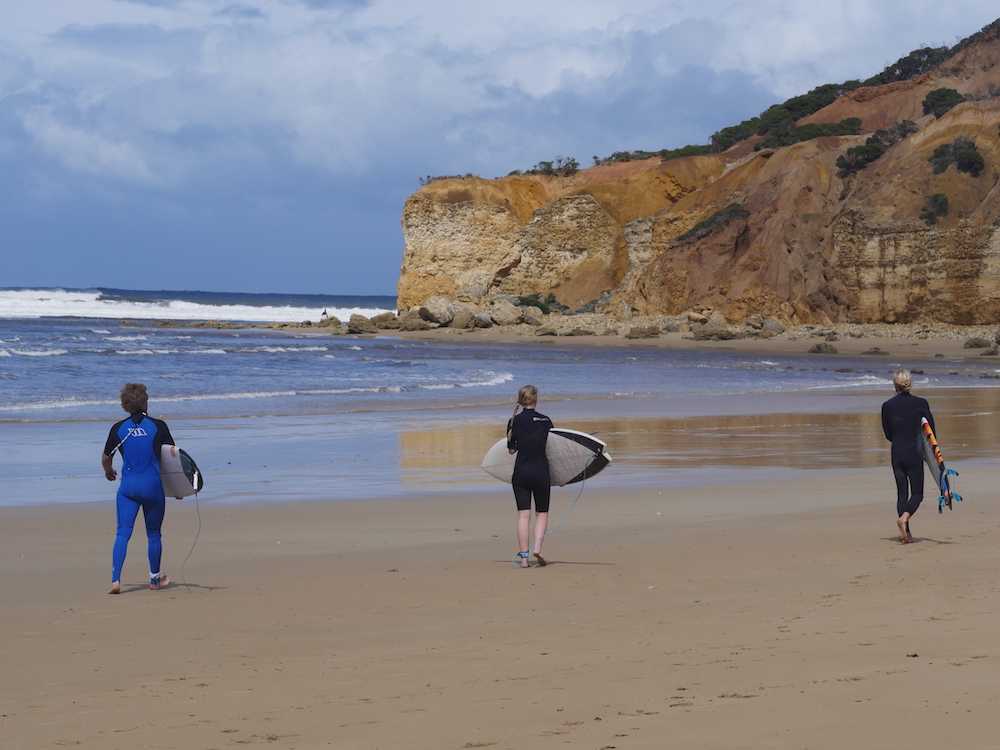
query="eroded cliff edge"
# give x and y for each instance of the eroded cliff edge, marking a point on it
(808, 246)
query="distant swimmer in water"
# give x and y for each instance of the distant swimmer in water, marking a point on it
(901, 423)
(527, 434)
(324, 315)
(138, 438)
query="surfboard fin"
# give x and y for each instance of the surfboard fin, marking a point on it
(949, 494)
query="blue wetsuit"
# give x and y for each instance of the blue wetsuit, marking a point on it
(529, 432)
(901, 423)
(139, 438)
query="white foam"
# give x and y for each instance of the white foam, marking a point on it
(38, 352)
(490, 378)
(281, 349)
(46, 303)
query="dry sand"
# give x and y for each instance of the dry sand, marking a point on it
(781, 614)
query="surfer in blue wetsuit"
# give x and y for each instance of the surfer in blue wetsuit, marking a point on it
(901, 423)
(138, 438)
(527, 434)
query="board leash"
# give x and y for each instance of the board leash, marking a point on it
(198, 509)
(517, 558)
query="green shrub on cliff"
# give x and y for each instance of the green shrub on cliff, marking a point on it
(912, 65)
(961, 152)
(940, 101)
(715, 221)
(677, 153)
(788, 132)
(665, 154)
(857, 158)
(432, 178)
(559, 167)
(937, 207)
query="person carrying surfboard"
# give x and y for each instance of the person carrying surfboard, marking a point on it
(527, 434)
(138, 438)
(901, 417)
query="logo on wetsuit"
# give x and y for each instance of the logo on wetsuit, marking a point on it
(137, 432)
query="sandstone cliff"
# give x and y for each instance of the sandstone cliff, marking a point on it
(811, 247)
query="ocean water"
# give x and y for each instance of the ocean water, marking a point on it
(282, 415)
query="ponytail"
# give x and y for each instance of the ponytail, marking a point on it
(510, 423)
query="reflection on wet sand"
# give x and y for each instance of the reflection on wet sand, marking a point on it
(966, 420)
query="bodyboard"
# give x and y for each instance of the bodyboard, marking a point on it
(179, 473)
(935, 462)
(573, 456)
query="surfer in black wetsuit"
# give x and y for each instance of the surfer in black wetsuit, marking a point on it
(527, 434)
(901, 423)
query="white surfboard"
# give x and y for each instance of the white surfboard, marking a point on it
(179, 473)
(573, 456)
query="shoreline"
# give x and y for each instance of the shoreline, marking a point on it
(918, 340)
(912, 341)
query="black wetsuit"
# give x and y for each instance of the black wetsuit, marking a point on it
(901, 423)
(529, 431)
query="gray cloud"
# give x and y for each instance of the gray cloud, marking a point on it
(299, 126)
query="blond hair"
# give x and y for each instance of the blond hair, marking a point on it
(903, 381)
(526, 396)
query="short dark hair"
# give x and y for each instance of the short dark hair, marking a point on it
(134, 397)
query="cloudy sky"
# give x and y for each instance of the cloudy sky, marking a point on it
(268, 145)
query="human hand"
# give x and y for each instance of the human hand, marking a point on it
(111, 475)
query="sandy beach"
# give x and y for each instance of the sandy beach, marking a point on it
(767, 606)
(789, 619)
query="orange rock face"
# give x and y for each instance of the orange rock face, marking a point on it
(810, 246)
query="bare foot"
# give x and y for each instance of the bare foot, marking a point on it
(541, 560)
(903, 533)
(524, 559)
(116, 587)
(161, 583)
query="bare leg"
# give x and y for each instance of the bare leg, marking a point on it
(903, 522)
(116, 587)
(523, 526)
(541, 524)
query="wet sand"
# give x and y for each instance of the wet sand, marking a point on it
(776, 614)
